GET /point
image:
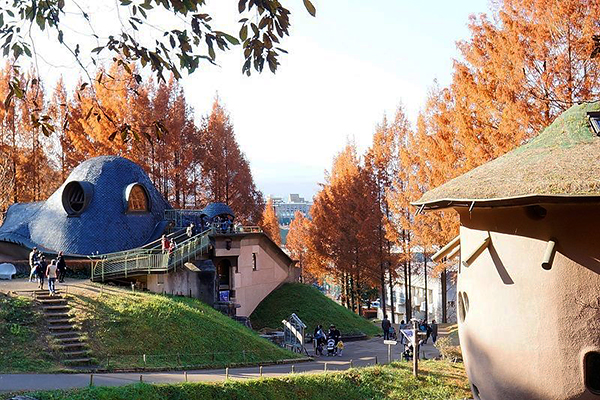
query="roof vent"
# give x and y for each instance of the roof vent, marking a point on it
(594, 117)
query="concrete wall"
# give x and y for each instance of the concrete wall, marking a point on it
(252, 286)
(525, 330)
(184, 282)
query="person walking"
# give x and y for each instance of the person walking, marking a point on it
(33, 259)
(386, 325)
(51, 273)
(40, 271)
(61, 266)
(190, 230)
(434, 331)
(165, 243)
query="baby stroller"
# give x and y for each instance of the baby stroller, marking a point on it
(330, 347)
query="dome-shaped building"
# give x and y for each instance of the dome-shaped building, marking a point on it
(107, 204)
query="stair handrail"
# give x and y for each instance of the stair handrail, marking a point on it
(151, 259)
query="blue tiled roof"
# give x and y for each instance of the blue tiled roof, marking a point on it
(214, 209)
(104, 226)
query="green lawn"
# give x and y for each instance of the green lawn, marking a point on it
(23, 345)
(438, 381)
(312, 307)
(172, 332)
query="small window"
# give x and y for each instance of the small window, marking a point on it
(75, 197)
(594, 117)
(592, 371)
(137, 200)
(254, 261)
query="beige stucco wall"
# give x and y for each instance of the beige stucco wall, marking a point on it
(527, 329)
(250, 286)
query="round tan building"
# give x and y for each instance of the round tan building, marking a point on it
(529, 274)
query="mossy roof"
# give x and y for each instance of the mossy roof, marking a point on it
(561, 164)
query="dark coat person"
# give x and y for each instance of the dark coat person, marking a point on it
(61, 267)
(386, 325)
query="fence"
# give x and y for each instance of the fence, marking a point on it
(148, 260)
(226, 359)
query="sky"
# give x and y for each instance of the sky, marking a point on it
(348, 67)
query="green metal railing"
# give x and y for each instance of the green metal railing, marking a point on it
(148, 260)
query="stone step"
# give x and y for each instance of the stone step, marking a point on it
(46, 292)
(76, 339)
(61, 327)
(59, 321)
(65, 335)
(57, 307)
(76, 353)
(77, 360)
(72, 345)
(51, 301)
(57, 314)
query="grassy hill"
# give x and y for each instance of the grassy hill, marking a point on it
(437, 380)
(170, 331)
(313, 308)
(23, 345)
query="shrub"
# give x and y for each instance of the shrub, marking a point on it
(448, 349)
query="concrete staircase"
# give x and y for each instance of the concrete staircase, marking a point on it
(73, 349)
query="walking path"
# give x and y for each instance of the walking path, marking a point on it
(361, 353)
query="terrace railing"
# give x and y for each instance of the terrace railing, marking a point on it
(148, 260)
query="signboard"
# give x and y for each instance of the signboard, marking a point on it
(224, 295)
(390, 342)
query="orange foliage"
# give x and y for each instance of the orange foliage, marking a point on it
(269, 223)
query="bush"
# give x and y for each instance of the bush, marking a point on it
(448, 349)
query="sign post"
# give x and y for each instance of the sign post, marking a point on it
(390, 343)
(415, 343)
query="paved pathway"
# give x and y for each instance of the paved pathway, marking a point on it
(361, 353)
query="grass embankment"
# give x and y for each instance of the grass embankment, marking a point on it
(312, 307)
(438, 380)
(23, 344)
(171, 331)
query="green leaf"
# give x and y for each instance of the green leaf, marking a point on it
(211, 52)
(310, 8)
(41, 21)
(231, 39)
(244, 33)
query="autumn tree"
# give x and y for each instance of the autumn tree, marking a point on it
(269, 223)
(298, 243)
(225, 169)
(345, 216)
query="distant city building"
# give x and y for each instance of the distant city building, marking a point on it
(285, 210)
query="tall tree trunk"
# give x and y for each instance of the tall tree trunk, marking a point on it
(410, 314)
(406, 292)
(444, 297)
(426, 292)
(391, 285)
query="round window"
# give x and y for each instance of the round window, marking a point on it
(75, 197)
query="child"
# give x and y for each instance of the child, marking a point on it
(319, 350)
(340, 348)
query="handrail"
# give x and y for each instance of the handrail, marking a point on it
(150, 260)
(156, 244)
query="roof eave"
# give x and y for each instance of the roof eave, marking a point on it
(514, 201)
